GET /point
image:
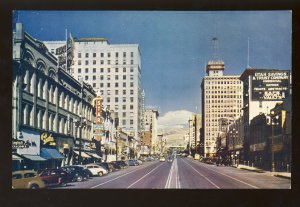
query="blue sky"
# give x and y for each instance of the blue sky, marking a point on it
(176, 45)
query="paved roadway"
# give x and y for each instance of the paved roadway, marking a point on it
(183, 173)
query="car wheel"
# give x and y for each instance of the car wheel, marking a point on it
(100, 173)
(34, 186)
(79, 178)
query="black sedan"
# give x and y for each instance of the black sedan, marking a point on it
(78, 173)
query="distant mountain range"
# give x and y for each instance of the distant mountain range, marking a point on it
(175, 136)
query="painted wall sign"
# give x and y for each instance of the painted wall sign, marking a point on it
(47, 139)
(270, 85)
(30, 143)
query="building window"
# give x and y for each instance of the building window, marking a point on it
(79, 55)
(116, 77)
(116, 84)
(94, 54)
(94, 62)
(131, 62)
(101, 54)
(131, 69)
(117, 54)
(108, 99)
(260, 104)
(101, 85)
(117, 70)
(124, 84)
(108, 62)
(86, 62)
(86, 77)
(124, 70)
(124, 99)
(131, 92)
(131, 99)
(101, 77)
(86, 70)
(108, 84)
(116, 99)
(124, 62)
(101, 70)
(108, 70)
(116, 92)
(117, 62)
(79, 62)
(124, 114)
(124, 54)
(94, 85)
(94, 77)
(131, 121)
(131, 106)
(131, 77)
(131, 54)
(108, 54)
(124, 121)
(79, 70)
(131, 84)
(124, 92)
(124, 77)
(94, 70)
(124, 107)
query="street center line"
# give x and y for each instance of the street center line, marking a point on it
(253, 186)
(119, 176)
(202, 175)
(144, 176)
(169, 177)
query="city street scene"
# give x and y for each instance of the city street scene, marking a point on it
(151, 100)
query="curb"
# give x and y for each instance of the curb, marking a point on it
(258, 171)
(282, 176)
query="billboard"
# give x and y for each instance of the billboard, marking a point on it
(270, 85)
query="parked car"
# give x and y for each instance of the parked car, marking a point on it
(78, 173)
(96, 169)
(122, 163)
(117, 166)
(170, 159)
(206, 160)
(140, 162)
(55, 177)
(196, 157)
(162, 159)
(132, 163)
(27, 179)
(106, 165)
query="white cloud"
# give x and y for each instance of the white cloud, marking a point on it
(174, 119)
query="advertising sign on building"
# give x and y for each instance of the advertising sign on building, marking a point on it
(31, 140)
(98, 127)
(270, 85)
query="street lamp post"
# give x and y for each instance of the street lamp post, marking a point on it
(273, 122)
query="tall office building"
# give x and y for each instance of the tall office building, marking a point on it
(151, 116)
(221, 98)
(115, 71)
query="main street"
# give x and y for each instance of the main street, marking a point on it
(183, 173)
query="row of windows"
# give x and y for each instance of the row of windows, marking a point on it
(108, 62)
(223, 96)
(208, 102)
(131, 107)
(101, 85)
(102, 70)
(224, 87)
(220, 115)
(87, 55)
(223, 92)
(117, 99)
(222, 110)
(108, 77)
(223, 82)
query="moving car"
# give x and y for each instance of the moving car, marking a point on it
(162, 159)
(122, 163)
(117, 166)
(27, 179)
(55, 177)
(196, 157)
(140, 162)
(206, 160)
(78, 173)
(96, 169)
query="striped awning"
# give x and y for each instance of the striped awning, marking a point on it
(49, 154)
(83, 154)
(34, 157)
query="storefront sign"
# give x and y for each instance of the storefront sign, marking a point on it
(257, 147)
(98, 127)
(29, 144)
(47, 139)
(270, 85)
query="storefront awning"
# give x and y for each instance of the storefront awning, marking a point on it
(34, 157)
(83, 154)
(49, 154)
(15, 157)
(94, 155)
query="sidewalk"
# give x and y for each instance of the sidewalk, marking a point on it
(254, 169)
